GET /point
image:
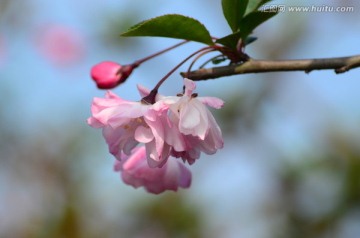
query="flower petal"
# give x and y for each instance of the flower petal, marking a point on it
(154, 158)
(136, 172)
(212, 102)
(143, 134)
(190, 86)
(189, 119)
(143, 90)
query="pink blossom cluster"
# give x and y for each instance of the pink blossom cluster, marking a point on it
(60, 44)
(151, 141)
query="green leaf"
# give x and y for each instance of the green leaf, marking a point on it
(253, 20)
(230, 40)
(254, 5)
(250, 39)
(172, 26)
(233, 11)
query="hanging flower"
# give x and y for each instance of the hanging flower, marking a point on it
(136, 172)
(126, 124)
(180, 126)
(197, 124)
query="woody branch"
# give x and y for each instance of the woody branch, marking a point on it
(339, 65)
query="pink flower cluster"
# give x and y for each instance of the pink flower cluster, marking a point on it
(60, 44)
(146, 139)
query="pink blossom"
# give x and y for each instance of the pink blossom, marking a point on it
(60, 44)
(197, 124)
(109, 74)
(126, 124)
(181, 127)
(136, 172)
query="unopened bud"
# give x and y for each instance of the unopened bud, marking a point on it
(109, 74)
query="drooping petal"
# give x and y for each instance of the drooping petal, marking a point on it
(136, 172)
(175, 175)
(211, 102)
(215, 132)
(212, 141)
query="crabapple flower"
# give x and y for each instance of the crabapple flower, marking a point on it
(136, 172)
(173, 126)
(194, 118)
(125, 124)
(197, 124)
(60, 44)
(109, 74)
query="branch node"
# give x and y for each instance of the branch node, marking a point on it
(342, 69)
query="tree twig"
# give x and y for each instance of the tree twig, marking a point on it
(339, 65)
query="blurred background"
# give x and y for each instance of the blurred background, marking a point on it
(291, 162)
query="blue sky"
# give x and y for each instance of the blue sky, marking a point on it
(41, 93)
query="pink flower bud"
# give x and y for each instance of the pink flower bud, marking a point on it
(109, 74)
